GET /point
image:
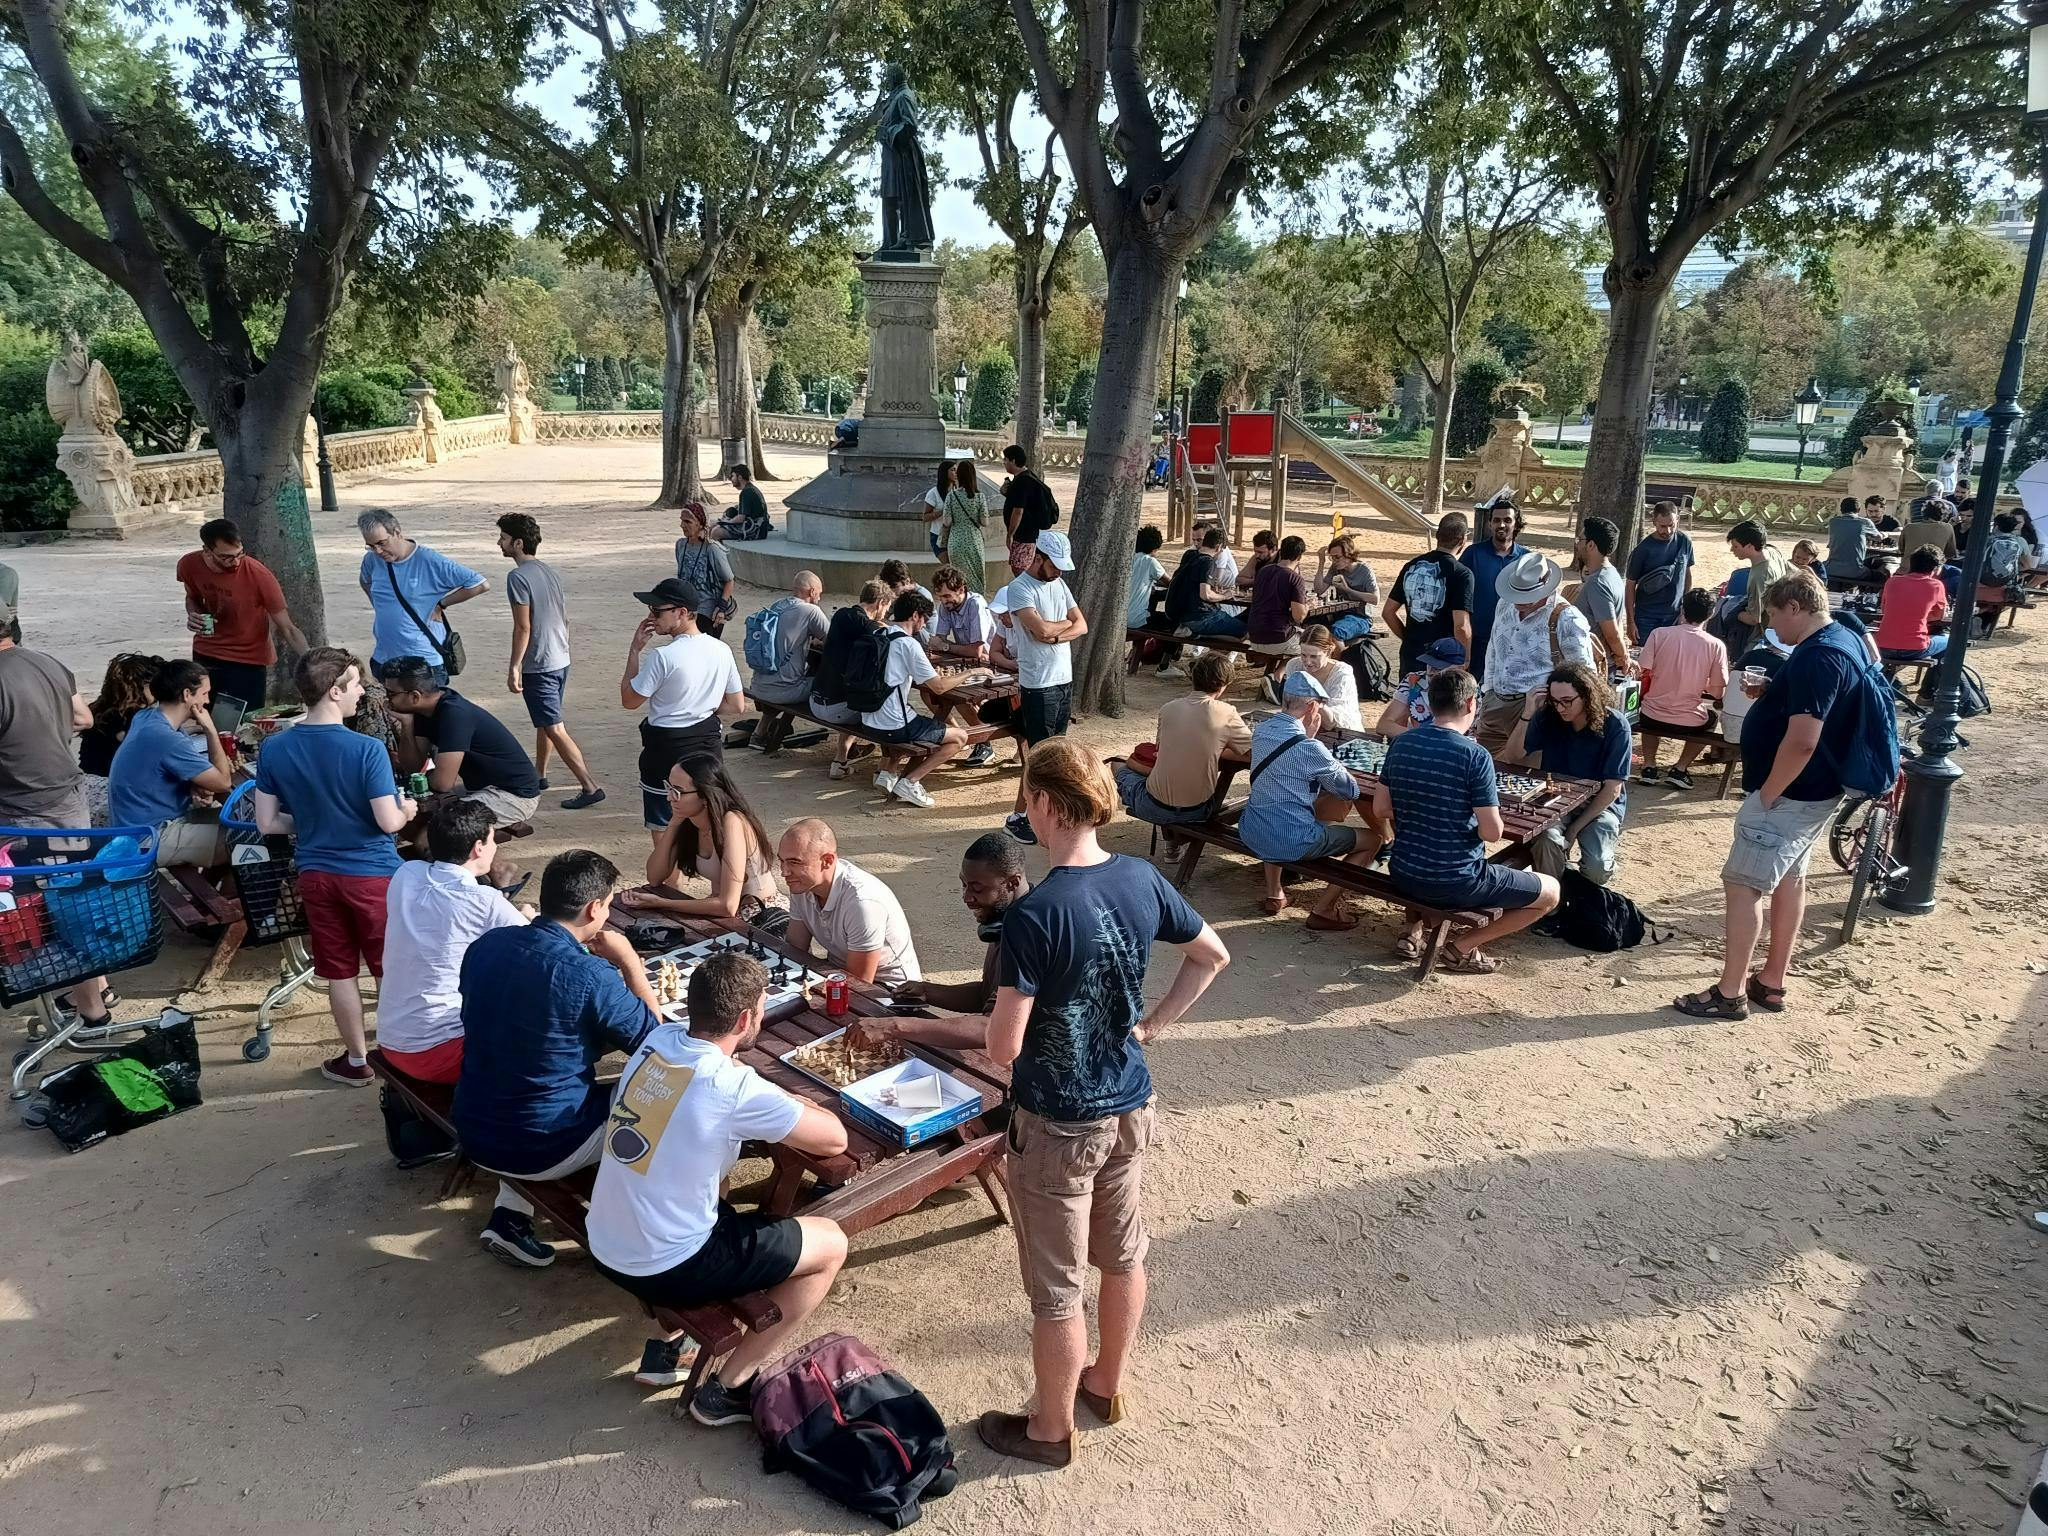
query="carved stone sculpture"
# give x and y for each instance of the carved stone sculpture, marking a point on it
(81, 394)
(422, 412)
(514, 387)
(86, 406)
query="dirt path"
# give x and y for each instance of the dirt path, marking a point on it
(1526, 1253)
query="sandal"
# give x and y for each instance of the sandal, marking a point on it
(1325, 923)
(1273, 906)
(1709, 1003)
(1770, 999)
(1408, 947)
(1466, 962)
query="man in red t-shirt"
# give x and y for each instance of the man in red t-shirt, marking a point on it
(232, 603)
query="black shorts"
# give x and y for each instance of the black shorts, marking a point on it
(244, 680)
(1044, 713)
(746, 1252)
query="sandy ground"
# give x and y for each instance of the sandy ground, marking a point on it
(1522, 1254)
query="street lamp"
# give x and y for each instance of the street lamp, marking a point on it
(1805, 411)
(960, 393)
(1931, 776)
(329, 502)
(579, 383)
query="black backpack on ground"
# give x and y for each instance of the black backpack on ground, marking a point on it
(853, 1429)
(1593, 917)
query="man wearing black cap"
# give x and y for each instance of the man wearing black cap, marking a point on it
(687, 686)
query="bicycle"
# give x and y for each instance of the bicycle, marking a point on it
(1860, 837)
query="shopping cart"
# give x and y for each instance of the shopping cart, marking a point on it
(267, 884)
(79, 903)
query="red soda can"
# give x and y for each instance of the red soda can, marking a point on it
(835, 996)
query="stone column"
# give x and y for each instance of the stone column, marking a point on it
(309, 460)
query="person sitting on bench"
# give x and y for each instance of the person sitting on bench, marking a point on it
(852, 914)
(171, 750)
(1441, 792)
(542, 1004)
(1195, 589)
(1409, 707)
(799, 622)
(894, 723)
(1300, 796)
(1685, 678)
(1913, 600)
(1572, 728)
(658, 1226)
(992, 880)
(828, 704)
(1194, 732)
(434, 909)
(475, 755)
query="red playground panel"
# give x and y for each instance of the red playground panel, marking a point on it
(1203, 440)
(1251, 434)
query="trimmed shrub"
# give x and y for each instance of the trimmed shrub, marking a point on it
(778, 390)
(993, 400)
(351, 401)
(1081, 396)
(1472, 407)
(1724, 431)
(1207, 403)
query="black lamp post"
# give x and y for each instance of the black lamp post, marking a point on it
(579, 383)
(1805, 411)
(960, 393)
(1931, 776)
(329, 502)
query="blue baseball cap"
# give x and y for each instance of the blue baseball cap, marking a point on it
(1445, 653)
(1302, 685)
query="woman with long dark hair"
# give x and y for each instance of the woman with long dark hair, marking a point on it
(124, 693)
(936, 522)
(966, 517)
(713, 833)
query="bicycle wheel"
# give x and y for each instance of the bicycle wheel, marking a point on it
(1846, 832)
(1875, 854)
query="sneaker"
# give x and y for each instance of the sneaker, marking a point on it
(661, 1364)
(913, 792)
(545, 786)
(715, 1404)
(836, 771)
(338, 1070)
(983, 754)
(509, 1236)
(886, 782)
(1270, 687)
(1679, 778)
(584, 801)
(1018, 825)
(1169, 673)
(1652, 775)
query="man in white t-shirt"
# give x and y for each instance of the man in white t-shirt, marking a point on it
(895, 722)
(853, 915)
(434, 908)
(1045, 623)
(688, 687)
(657, 1226)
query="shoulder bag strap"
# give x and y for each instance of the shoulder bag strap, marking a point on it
(1275, 755)
(413, 614)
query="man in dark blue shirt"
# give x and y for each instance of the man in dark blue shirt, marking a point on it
(1502, 547)
(542, 1004)
(1792, 738)
(1440, 791)
(1070, 1014)
(474, 755)
(1571, 727)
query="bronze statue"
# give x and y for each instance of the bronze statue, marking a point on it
(906, 187)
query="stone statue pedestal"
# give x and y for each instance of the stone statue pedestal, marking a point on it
(869, 503)
(1879, 470)
(102, 472)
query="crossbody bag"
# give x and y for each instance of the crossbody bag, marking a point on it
(453, 656)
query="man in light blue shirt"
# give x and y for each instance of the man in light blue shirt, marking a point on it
(1296, 785)
(400, 573)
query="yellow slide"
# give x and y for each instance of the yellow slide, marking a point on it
(1296, 441)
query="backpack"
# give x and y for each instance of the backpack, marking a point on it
(1865, 753)
(853, 1429)
(764, 629)
(1973, 697)
(863, 677)
(1593, 917)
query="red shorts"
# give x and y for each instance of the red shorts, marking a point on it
(436, 1064)
(344, 922)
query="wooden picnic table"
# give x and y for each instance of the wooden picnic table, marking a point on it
(1320, 610)
(873, 1179)
(997, 686)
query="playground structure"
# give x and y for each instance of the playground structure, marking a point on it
(1220, 464)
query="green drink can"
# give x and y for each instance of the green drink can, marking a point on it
(416, 786)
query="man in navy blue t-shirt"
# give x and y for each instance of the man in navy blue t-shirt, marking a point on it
(1070, 1017)
(1571, 727)
(1440, 791)
(1792, 738)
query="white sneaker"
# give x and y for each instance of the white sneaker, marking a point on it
(1169, 673)
(886, 782)
(914, 792)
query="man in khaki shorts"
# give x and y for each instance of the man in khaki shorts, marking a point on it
(1070, 1019)
(1798, 728)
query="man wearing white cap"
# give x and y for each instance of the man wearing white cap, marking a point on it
(1534, 632)
(1045, 621)
(1300, 797)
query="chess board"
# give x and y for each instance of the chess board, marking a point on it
(671, 986)
(1362, 756)
(1521, 787)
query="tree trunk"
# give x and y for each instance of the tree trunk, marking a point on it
(680, 482)
(1611, 485)
(735, 388)
(264, 493)
(1108, 501)
(1445, 396)
(1032, 305)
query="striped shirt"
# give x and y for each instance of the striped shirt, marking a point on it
(1437, 779)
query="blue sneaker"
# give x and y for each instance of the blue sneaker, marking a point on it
(1018, 825)
(583, 801)
(509, 1236)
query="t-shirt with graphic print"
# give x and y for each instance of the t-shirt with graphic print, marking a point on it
(1430, 590)
(1077, 944)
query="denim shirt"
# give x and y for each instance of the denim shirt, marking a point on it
(1279, 820)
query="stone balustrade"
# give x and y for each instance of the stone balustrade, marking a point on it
(168, 481)
(596, 426)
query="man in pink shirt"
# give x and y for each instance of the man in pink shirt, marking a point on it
(1912, 599)
(1683, 668)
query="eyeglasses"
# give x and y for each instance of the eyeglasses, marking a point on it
(1565, 700)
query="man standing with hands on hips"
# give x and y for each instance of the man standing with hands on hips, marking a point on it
(1045, 621)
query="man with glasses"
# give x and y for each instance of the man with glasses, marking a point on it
(410, 588)
(1571, 727)
(233, 605)
(687, 686)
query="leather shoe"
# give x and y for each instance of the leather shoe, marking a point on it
(1110, 1410)
(1010, 1434)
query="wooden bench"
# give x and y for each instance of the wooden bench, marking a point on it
(1220, 831)
(1721, 752)
(976, 735)
(198, 907)
(1267, 662)
(716, 1329)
